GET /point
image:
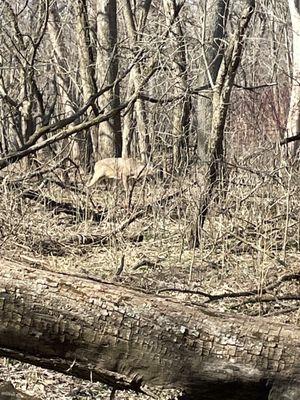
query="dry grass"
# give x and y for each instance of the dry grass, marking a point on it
(251, 238)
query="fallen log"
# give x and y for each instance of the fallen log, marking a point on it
(127, 338)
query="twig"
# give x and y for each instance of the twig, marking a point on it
(220, 296)
(267, 299)
(290, 139)
(121, 266)
(145, 262)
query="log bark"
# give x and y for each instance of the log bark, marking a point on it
(127, 338)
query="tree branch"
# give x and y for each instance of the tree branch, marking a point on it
(290, 139)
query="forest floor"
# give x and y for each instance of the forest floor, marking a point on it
(248, 260)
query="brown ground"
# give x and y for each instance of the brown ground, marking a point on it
(250, 242)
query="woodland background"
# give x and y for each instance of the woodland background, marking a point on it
(84, 80)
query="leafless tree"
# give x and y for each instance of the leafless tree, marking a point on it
(181, 120)
(135, 25)
(109, 135)
(293, 124)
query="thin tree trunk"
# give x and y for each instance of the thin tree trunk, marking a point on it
(87, 73)
(213, 31)
(64, 82)
(134, 33)
(89, 328)
(30, 106)
(293, 124)
(109, 134)
(181, 113)
(220, 102)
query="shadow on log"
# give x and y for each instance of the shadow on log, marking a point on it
(128, 339)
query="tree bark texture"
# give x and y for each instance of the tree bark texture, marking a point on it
(109, 135)
(181, 115)
(135, 35)
(127, 338)
(66, 87)
(87, 77)
(220, 102)
(293, 124)
(214, 24)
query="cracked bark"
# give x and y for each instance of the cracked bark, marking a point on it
(127, 338)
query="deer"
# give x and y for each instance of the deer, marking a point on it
(124, 169)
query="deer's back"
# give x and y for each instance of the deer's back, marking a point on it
(116, 168)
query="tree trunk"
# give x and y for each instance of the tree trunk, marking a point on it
(109, 134)
(181, 114)
(126, 338)
(29, 107)
(293, 124)
(213, 31)
(87, 73)
(65, 84)
(220, 102)
(134, 33)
